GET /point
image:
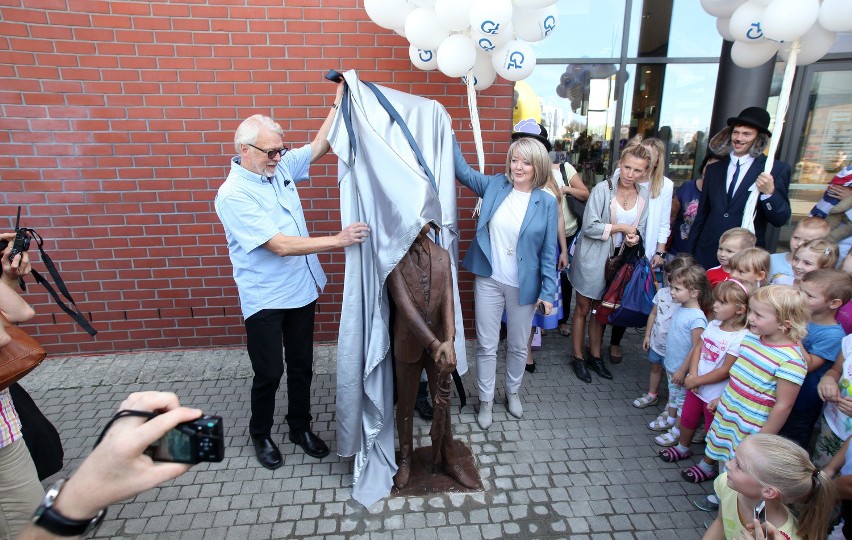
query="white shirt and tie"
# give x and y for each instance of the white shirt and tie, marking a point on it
(738, 167)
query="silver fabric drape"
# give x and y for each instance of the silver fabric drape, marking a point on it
(382, 184)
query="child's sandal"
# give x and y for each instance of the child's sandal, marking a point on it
(645, 401)
(661, 423)
(669, 438)
(696, 474)
(672, 454)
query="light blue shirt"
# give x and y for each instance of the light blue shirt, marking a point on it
(253, 209)
(778, 265)
(679, 338)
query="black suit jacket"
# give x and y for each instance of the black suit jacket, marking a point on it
(716, 215)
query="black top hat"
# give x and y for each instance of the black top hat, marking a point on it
(756, 117)
(532, 129)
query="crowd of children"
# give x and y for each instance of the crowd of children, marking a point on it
(757, 348)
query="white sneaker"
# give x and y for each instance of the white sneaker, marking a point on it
(484, 418)
(513, 402)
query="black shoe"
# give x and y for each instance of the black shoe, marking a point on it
(530, 368)
(424, 408)
(310, 443)
(580, 370)
(598, 367)
(266, 451)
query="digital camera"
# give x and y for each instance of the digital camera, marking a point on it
(191, 442)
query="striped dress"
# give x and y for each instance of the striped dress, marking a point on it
(751, 393)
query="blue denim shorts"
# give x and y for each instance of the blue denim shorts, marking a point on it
(654, 357)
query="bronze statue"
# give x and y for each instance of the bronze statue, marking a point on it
(424, 331)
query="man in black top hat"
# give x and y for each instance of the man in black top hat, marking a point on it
(727, 185)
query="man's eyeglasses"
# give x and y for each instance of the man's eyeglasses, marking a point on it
(272, 153)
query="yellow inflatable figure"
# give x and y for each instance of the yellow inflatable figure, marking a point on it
(526, 105)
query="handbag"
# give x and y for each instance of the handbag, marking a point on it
(576, 206)
(625, 254)
(41, 436)
(613, 294)
(18, 357)
(638, 298)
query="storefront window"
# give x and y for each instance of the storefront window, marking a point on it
(826, 143)
(578, 109)
(586, 29)
(672, 102)
(664, 28)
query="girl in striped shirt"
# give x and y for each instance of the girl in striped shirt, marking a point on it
(764, 381)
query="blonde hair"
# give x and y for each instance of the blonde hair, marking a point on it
(753, 259)
(804, 489)
(535, 152)
(826, 250)
(657, 148)
(635, 148)
(694, 278)
(835, 284)
(734, 292)
(813, 222)
(789, 307)
(746, 237)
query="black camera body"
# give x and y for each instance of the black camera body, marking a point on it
(21, 243)
(191, 442)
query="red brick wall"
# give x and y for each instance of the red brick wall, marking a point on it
(117, 126)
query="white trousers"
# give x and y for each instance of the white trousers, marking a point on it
(492, 297)
(20, 490)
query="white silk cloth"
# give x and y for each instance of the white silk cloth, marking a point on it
(383, 184)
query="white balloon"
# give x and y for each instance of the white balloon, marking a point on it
(422, 3)
(490, 17)
(836, 15)
(454, 15)
(749, 55)
(786, 20)
(721, 8)
(514, 61)
(423, 29)
(456, 55)
(533, 4)
(388, 14)
(483, 72)
(535, 24)
(745, 23)
(723, 26)
(490, 43)
(423, 59)
(813, 45)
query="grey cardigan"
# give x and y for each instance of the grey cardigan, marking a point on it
(594, 244)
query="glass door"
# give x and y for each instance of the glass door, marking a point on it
(820, 136)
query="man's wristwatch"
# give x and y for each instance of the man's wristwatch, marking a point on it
(661, 254)
(51, 520)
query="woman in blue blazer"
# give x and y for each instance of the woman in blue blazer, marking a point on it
(513, 255)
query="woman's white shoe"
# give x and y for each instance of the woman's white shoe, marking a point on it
(513, 403)
(484, 417)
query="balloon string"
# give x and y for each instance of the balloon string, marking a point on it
(783, 103)
(477, 131)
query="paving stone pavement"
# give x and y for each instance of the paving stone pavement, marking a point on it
(580, 464)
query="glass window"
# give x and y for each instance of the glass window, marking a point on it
(672, 102)
(578, 109)
(664, 28)
(826, 145)
(586, 29)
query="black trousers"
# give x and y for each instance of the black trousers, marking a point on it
(266, 331)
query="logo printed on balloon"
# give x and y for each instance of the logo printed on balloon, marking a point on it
(516, 60)
(549, 24)
(486, 45)
(425, 56)
(489, 27)
(754, 32)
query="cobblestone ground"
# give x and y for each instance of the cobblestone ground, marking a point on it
(580, 464)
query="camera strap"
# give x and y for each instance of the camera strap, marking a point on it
(60, 284)
(122, 414)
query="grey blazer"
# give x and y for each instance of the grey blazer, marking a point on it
(594, 245)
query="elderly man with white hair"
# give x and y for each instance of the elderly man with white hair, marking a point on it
(277, 272)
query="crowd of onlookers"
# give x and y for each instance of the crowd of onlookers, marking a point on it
(753, 345)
